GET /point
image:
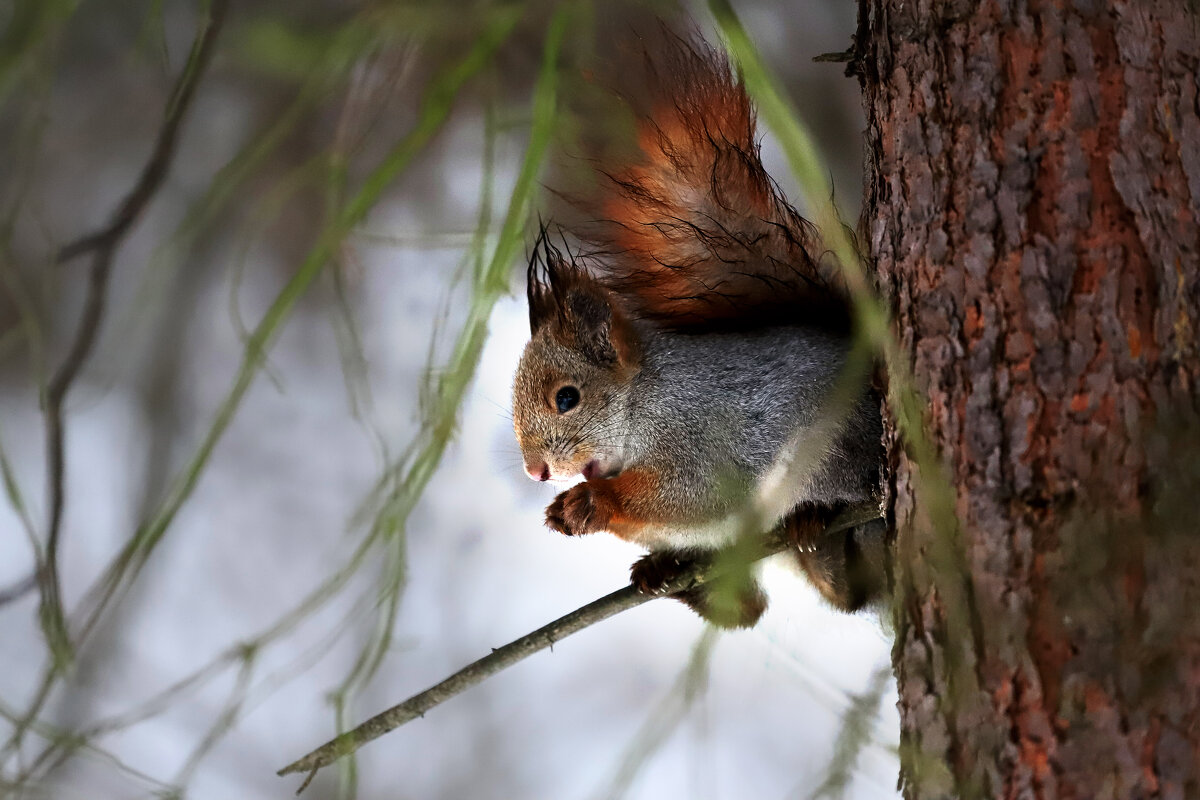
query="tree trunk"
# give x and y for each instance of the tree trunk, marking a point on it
(1033, 209)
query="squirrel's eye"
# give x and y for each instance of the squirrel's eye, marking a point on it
(566, 399)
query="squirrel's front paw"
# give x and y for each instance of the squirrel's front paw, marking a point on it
(577, 511)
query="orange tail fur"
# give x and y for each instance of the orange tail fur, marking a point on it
(694, 233)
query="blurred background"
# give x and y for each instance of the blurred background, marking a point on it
(291, 495)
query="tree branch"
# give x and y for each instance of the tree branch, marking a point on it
(103, 244)
(15, 591)
(503, 657)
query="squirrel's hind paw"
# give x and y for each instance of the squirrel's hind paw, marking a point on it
(653, 572)
(805, 526)
(731, 603)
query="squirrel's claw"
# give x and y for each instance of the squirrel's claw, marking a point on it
(806, 525)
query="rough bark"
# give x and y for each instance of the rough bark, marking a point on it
(1033, 209)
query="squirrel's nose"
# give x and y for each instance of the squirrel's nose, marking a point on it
(539, 471)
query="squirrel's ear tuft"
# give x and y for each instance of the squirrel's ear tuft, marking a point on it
(549, 275)
(568, 303)
(538, 289)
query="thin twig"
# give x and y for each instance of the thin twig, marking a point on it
(103, 244)
(160, 160)
(503, 657)
(443, 90)
(15, 591)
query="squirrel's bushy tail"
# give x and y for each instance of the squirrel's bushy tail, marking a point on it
(693, 232)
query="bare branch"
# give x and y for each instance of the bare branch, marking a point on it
(108, 237)
(19, 589)
(503, 657)
(103, 244)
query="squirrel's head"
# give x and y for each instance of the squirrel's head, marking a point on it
(572, 389)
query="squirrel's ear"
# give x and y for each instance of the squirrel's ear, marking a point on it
(548, 274)
(542, 308)
(597, 328)
(569, 304)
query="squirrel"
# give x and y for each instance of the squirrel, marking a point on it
(696, 340)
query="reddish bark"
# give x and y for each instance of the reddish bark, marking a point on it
(1033, 208)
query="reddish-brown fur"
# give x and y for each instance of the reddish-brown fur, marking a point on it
(621, 505)
(694, 232)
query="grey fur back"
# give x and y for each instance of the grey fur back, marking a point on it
(748, 393)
